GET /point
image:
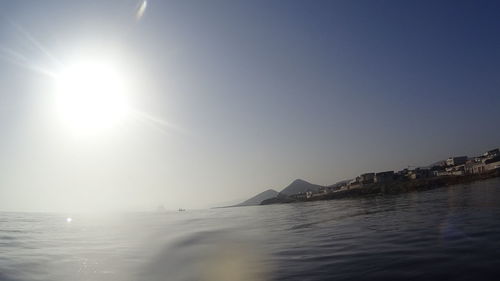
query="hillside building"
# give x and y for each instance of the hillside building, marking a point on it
(382, 177)
(453, 161)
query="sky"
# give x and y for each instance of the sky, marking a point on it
(231, 98)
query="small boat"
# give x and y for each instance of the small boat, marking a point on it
(182, 210)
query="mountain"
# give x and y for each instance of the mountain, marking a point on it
(270, 195)
(299, 186)
(257, 199)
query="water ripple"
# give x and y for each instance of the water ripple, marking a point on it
(443, 234)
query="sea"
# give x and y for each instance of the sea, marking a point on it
(450, 233)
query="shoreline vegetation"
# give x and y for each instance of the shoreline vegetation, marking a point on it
(454, 170)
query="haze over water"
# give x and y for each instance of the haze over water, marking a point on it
(442, 234)
(190, 103)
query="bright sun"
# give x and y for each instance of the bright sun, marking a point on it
(91, 96)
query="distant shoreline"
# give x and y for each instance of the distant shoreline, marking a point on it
(395, 187)
(452, 171)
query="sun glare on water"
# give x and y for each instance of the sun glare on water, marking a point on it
(91, 96)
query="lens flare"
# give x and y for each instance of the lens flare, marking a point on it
(141, 10)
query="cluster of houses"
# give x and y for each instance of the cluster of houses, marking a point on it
(488, 163)
(453, 166)
(460, 166)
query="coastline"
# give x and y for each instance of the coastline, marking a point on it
(394, 187)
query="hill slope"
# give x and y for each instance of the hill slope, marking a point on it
(299, 186)
(257, 199)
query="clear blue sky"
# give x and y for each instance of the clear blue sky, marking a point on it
(260, 92)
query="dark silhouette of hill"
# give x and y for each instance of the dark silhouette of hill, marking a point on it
(299, 186)
(257, 199)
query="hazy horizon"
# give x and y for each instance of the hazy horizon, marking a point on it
(226, 99)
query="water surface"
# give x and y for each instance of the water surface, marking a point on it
(450, 233)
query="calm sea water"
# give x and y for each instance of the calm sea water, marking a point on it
(443, 234)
